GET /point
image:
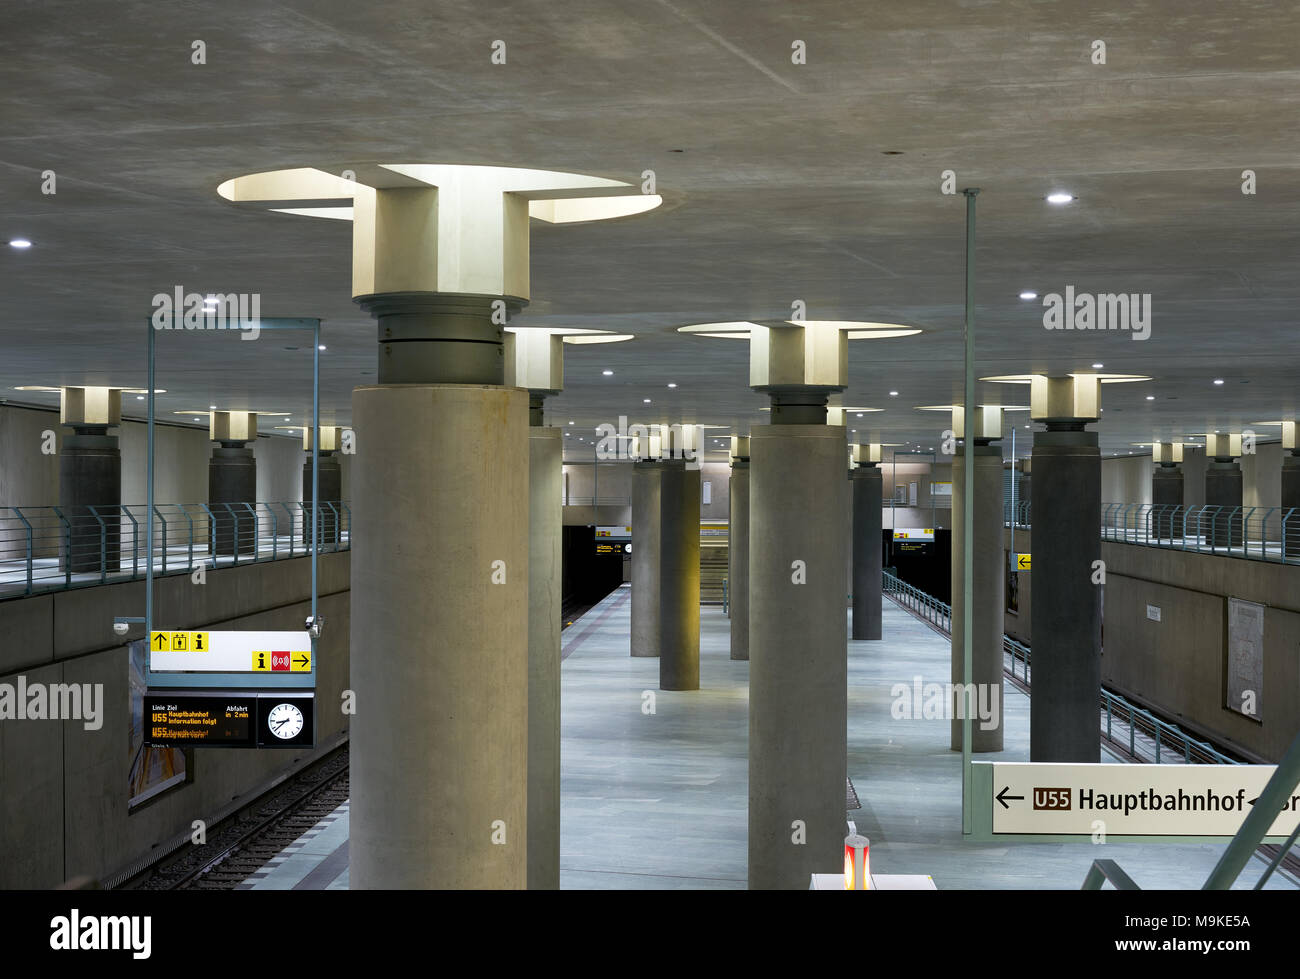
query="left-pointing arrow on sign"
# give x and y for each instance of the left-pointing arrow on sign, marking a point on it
(1002, 796)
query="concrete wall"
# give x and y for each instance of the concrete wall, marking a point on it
(63, 789)
(1179, 664)
(27, 476)
(1126, 479)
(1018, 624)
(614, 478)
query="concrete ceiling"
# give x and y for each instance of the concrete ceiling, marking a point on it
(817, 182)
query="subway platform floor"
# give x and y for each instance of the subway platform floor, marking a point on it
(654, 782)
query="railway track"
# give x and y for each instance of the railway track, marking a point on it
(241, 844)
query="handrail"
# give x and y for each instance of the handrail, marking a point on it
(54, 548)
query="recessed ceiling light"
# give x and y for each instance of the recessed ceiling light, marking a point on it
(893, 394)
(212, 407)
(321, 347)
(19, 243)
(1151, 397)
(1028, 295)
(645, 401)
(1098, 367)
(607, 373)
(1218, 380)
(672, 384)
(139, 397)
(571, 421)
(1026, 426)
(1060, 197)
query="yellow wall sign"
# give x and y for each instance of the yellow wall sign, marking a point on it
(178, 642)
(1022, 562)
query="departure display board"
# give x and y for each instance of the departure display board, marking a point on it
(236, 719)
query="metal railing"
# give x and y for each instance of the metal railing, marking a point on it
(51, 548)
(1149, 738)
(1256, 533)
(1021, 512)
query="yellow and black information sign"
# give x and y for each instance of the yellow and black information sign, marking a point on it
(1022, 562)
(178, 642)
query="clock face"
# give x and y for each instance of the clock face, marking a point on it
(285, 721)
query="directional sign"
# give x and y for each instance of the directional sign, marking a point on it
(922, 534)
(1022, 562)
(229, 652)
(178, 642)
(1130, 800)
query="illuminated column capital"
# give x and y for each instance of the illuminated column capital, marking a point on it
(987, 425)
(866, 454)
(440, 228)
(330, 437)
(1072, 399)
(82, 407)
(1223, 446)
(232, 426)
(1167, 453)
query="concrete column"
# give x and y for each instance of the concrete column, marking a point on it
(232, 482)
(798, 680)
(545, 538)
(1223, 528)
(90, 480)
(331, 485)
(440, 637)
(1290, 478)
(866, 584)
(440, 595)
(738, 548)
(988, 594)
(1166, 498)
(330, 477)
(647, 477)
(232, 479)
(679, 578)
(1063, 719)
(1291, 486)
(90, 476)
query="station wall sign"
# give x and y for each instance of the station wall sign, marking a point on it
(1130, 800)
(915, 534)
(229, 719)
(613, 540)
(241, 658)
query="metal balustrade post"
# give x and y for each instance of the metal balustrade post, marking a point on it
(103, 544)
(191, 537)
(135, 543)
(252, 515)
(27, 534)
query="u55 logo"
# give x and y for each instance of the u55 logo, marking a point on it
(1046, 798)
